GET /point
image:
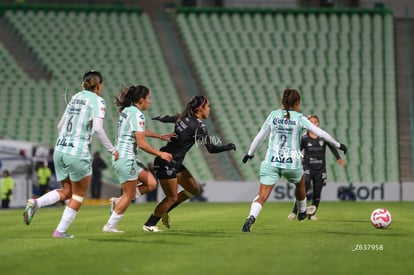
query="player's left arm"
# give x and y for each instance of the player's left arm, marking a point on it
(98, 129)
(336, 154)
(61, 123)
(202, 135)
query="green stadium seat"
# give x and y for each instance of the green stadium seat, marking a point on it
(337, 75)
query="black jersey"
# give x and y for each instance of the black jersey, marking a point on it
(189, 131)
(314, 152)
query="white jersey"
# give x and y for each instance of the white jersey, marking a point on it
(131, 120)
(283, 149)
(76, 134)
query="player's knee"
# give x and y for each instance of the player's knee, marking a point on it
(65, 194)
(152, 184)
(172, 199)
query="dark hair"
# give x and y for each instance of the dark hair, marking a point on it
(91, 79)
(196, 103)
(289, 99)
(313, 116)
(130, 95)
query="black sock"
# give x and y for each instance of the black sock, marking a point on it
(173, 206)
(295, 208)
(152, 220)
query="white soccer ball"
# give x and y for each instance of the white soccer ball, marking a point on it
(381, 218)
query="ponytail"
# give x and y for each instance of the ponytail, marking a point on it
(195, 104)
(130, 95)
(289, 99)
(91, 80)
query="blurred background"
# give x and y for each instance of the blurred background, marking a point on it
(352, 62)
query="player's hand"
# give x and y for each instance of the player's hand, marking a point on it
(116, 155)
(166, 156)
(167, 137)
(231, 146)
(343, 148)
(341, 162)
(246, 158)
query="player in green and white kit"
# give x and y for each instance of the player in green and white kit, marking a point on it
(131, 136)
(283, 157)
(83, 117)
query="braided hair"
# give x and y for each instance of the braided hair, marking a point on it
(91, 80)
(196, 103)
(289, 99)
(131, 95)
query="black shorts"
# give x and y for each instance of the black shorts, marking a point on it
(318, 178)
(167, 170)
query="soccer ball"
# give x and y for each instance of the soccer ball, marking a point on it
(381, 218)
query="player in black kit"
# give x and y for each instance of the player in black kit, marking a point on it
(314, 166)
(189, 130)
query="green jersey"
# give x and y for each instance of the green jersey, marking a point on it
(283, 149)
(130, 121)
(284, 141)
(76, 134)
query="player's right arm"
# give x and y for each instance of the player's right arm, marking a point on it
(144, 145)
(258, 139)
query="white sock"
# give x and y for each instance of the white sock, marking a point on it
(302, 206)
(67, 218)
(49, 198)
(138, 192)
(255, 209)
(114, 219)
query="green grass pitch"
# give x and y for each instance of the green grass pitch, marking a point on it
(206, 238)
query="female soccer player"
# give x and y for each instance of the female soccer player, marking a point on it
(133, 101)
(83, 117)
(314, 166)
(189, 129)
(283, 157)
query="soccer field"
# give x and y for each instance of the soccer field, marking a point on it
(206, 238)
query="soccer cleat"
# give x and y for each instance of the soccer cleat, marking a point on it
(151, 228)
(248, 224)
(113, 202)
(29, 211)
(111, 229)
(166, 220)
(302, 216)
(313, 218)
(62, 235)
(291, 216)
(311, 210)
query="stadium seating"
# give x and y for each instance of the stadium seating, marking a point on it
(121, 44)
(342, 63)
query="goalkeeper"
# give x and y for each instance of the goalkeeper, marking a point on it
(314, 166)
